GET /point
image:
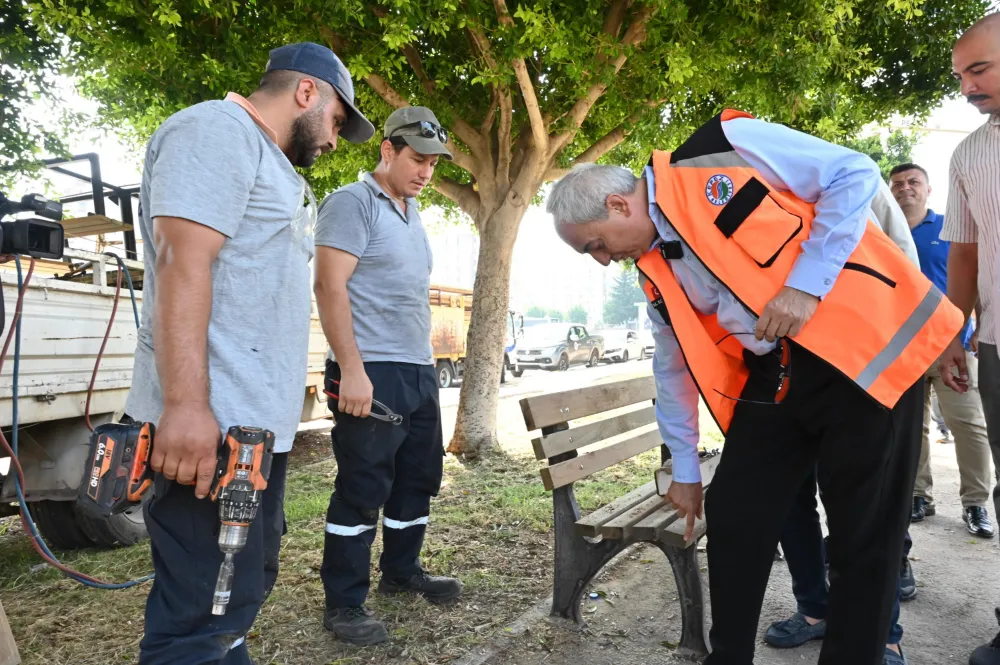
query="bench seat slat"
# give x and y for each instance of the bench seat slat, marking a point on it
(651, 526)
(674, 533)
(554, 408)
(622, 526)
(564, 473)
(591, 524)
(578, 437)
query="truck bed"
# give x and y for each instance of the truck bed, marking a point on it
(61, 332)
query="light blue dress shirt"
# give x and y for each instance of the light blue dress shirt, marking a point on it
(840, 182)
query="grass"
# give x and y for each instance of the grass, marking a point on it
(490, 526)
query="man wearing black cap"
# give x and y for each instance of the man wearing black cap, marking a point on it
(224, 336)
(373, 267)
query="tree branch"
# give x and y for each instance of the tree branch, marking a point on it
(413, 59)
(463, 195)
(635, 35)
(538, 129)
(469, 136)
(504, 137)
(606, 143)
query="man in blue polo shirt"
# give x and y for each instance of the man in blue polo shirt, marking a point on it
(963, 412)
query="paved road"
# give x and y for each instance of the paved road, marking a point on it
(535, 381)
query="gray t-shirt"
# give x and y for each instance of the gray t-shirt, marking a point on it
(390, 287)
(212, 164)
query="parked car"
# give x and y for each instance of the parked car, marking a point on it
(648, 345)
(621, 345)
(557, 346)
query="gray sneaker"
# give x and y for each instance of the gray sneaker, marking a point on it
(355, 625)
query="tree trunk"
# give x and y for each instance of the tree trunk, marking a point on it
(475, 427)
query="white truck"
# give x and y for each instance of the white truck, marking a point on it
(67, 306)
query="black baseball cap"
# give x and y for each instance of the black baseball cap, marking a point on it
(319, 61)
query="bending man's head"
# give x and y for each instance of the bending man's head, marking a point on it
(602, 211)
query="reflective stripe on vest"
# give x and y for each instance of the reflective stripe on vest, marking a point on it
(882, 324)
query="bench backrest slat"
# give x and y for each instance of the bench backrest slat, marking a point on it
(564, 473)
(555, 408)
(578, 437)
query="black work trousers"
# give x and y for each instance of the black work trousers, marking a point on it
(382, 466)
(184, 538)
(869, 458)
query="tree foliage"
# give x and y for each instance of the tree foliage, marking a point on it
(619, 307)
(577, 314)
(896, 149)
(535, 312)
(527, 88)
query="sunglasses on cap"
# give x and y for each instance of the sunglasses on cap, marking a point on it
(427, 129)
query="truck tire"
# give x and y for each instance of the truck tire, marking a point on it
(595, 359)
(445, 374)
(127, 528)
(517, 372)
(563, 363)
(58, 523)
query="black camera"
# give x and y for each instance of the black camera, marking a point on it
(36, 238)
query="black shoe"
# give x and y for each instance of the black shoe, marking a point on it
(921, 508)
(907, 582)
(892, 658)
(987, 654)
(794, 632)
(434, 589)
(977, 521)
(355, 625)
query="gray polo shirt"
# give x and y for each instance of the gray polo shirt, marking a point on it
(212, 164)
(390, 287)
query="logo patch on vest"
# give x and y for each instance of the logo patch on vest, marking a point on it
(719, 189)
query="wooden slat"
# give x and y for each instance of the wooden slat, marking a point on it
(674, 534)
(590, 525)
(92, 225)
(651, 526)
(554, 408)
(8, 650)
(622, 526)
(578, 437)
(566, 472)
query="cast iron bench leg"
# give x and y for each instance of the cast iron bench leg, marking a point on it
(577, 561)
(684, 562)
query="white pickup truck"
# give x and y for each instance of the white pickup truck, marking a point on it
(62, 328)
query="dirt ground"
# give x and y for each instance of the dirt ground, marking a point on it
(958, 579)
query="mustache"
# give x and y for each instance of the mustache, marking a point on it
(977, 98)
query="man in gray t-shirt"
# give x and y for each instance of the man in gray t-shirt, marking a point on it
(373, 267)
(224, 336)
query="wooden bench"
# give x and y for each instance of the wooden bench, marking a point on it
(583, 545)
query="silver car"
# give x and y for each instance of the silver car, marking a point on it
(557, 346)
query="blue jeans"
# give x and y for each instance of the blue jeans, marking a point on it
(805, 554)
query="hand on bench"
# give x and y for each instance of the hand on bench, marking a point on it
(687, 498)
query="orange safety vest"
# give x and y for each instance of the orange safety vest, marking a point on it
(882, 324)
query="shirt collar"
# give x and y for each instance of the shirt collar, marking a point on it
(929, 217)
(373, 183)
(994, 119)
(251, 110)
(663, 228)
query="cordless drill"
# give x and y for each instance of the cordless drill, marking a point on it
(117, 476)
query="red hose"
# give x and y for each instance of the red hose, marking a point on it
(10, 451)
(100, 354)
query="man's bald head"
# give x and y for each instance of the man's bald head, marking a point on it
(975, 61)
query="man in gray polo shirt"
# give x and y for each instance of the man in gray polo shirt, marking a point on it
(373, 266)
(225, 330)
